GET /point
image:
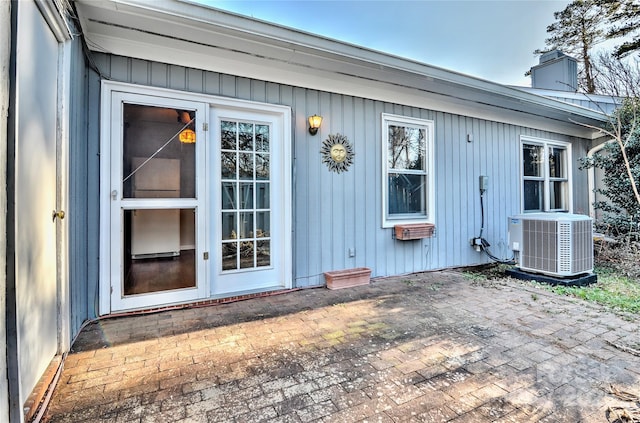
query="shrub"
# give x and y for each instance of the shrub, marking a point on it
(620, 160)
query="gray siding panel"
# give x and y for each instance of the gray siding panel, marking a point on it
(140, 72)
(333, 213)
(211, 83)
(84, 186)
(77, 213)
(177, 77)
(159, 74)
(580, 177)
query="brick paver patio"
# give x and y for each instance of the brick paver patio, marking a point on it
(430, 347)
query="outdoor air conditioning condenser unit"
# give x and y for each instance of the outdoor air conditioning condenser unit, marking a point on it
(556, 244)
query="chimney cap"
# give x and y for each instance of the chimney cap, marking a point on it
(551, 55)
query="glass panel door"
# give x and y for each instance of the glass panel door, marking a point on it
(248, 176)
(155, 203)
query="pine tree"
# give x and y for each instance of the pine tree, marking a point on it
(624, 17)
(578, 28)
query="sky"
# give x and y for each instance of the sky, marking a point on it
(492, 40)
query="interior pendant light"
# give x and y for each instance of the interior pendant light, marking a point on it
(188, 136)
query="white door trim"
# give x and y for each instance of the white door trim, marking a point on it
(62, 163)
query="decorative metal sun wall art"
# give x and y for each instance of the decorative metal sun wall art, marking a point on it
(337, 153)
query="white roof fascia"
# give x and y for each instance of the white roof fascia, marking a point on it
(261, 50)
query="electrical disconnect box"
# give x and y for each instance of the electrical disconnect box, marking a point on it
(515, 233)
(484, 183)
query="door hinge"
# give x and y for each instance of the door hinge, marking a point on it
(205, 126)
(206, 255)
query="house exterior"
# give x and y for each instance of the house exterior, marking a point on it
(601, 103)
(556, 76)
(166, 159)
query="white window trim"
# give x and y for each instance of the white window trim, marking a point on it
(546, 143)
(429, 125)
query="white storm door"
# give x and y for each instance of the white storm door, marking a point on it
(157, 201)
(251, 206)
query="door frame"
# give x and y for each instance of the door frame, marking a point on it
(62, 198)
(106, 123)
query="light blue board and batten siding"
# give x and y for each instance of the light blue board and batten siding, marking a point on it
(336, 212)
(82, 213)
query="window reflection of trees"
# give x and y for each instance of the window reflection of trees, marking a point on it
(406, 147)
(532, 157)
(246, 220)
(228, 165)
(555, 162)
(262, 138)
(262, 166)
(245, 139)
(228, 135)
(245, 166)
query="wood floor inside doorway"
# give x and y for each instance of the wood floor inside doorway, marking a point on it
(148, 275)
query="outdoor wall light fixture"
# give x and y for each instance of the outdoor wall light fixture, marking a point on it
(188, 136)
(314, 124)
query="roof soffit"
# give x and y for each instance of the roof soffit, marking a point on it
(139, 29)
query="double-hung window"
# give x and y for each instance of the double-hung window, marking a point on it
(545, 175)
(407, 153)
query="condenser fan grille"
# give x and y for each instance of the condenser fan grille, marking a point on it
(539, 245)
